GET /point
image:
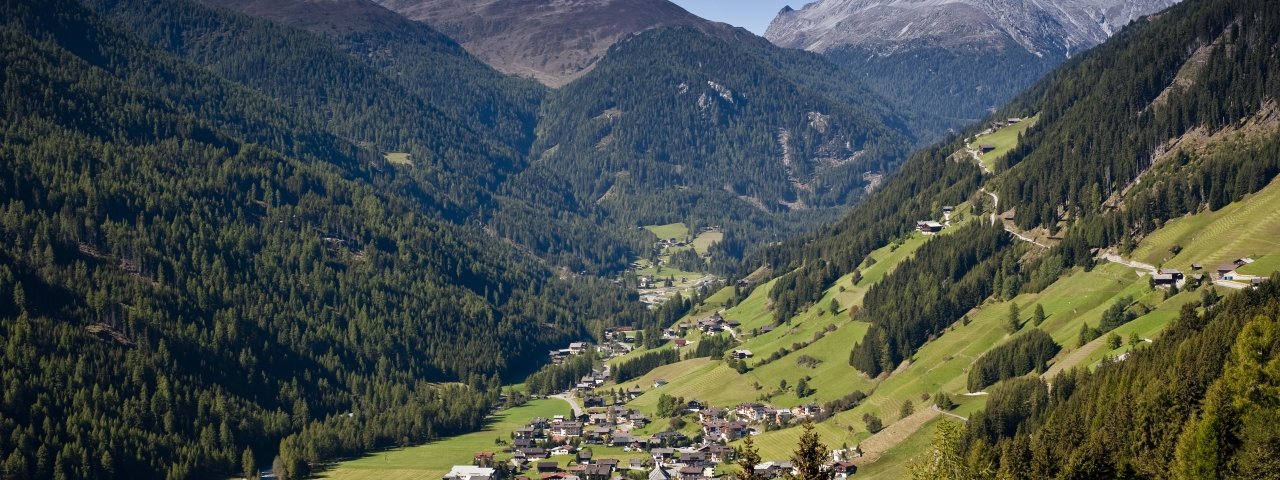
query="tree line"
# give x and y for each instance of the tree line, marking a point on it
(1029, 352)
(946, 278)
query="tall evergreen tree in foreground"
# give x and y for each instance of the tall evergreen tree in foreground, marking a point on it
(810, 457)
(944, 460)
(748, 458)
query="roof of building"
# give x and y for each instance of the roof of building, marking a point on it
(659, 473)
(469, 471)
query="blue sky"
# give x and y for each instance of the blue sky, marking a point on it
(753, 15)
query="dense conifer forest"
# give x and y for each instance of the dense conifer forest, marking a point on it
(929, 292)
(1199, 403)
(1027, 353)
(192, 269)
(703, 101)
(974, 82)
(1100, 136)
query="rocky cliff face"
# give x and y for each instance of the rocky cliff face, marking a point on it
(1042, 27)
(553, 41)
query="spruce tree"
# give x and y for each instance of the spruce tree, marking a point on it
(810, 457)
(945, 458)
(1014, 323)
(249, 464)
(748, 458)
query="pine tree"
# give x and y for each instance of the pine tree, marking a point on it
(1038, 317)
(810, 457)
(248, 464)
(943, 401)
(1014, 323)
(944, 460)
(748, 458)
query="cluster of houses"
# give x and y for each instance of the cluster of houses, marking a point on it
(618, 342)
(576, 348)
(755, 412)
(670, 242)
(1229, 271)
(711, 325)
(998, 124)
(1169, 277)
(663, 463)
(668, 455)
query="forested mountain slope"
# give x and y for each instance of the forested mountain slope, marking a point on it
(1128, 138)
(343, 93)
(193, 269)
(1179, 118)
(425, 62)
(394, 86)
(1105, 119)
(779, 140)
(673, 124)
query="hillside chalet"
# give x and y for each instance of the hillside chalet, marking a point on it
(928, 227)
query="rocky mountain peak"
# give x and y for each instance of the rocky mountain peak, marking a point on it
(553, 41)
(1042, 27)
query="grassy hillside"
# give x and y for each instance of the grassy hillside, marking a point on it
(669, 231)
(434, 459)
(1247, 228)
(942, 365)
(833, 376)
(1003, 139)
(1079, 297)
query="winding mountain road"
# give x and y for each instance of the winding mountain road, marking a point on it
(1150, 269)
(977, 158)
(949, 414)
(996, 210)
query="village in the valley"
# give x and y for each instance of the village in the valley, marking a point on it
(564, 447)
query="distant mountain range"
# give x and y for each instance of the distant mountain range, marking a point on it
(955, 58)
(551, 41)
(885, 27)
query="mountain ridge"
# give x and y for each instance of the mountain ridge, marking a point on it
(552, 42)
(953, 60)
(886, 27)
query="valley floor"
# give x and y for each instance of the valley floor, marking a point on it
(814, 346)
